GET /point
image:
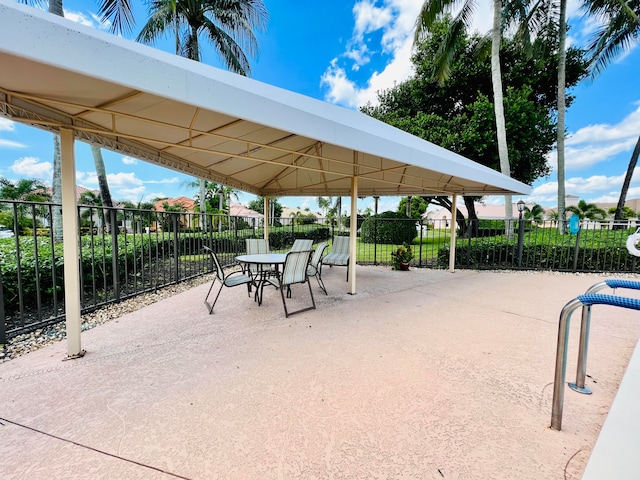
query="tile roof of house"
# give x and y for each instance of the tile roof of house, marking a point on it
(188, 203)
(239, 210)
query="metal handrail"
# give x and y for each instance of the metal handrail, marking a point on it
(585, 300)
(561, 363)
(585, 326)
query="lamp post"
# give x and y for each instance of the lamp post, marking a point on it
(521, 206)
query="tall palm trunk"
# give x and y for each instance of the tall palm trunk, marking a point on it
(203, 203)
(627, 181)
(562, 57)
(498, 105)
(103, 185)
(55, 7)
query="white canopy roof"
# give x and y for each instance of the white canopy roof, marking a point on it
(211, 123)
(206, 122)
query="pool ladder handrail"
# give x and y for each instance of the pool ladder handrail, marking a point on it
(586, 301)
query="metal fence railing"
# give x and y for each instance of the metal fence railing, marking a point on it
(125, 252)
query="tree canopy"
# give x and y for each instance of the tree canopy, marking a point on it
(458, 113)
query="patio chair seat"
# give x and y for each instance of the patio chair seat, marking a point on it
(339, 255)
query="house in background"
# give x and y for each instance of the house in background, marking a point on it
(185, 218)
(253, 218)
(441, 217)
(289, 214)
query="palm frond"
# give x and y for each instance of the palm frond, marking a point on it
(119, 13)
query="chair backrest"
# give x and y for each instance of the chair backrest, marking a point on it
(216, 263)
(317, 256)
(340, 245)
(257, 245)
(295, 267)
(301, 245)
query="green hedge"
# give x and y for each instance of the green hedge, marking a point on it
(499, 253)
(134, 253)
(388, 227)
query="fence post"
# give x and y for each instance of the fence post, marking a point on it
(576, 251)
(115, 265)
(176, 249)
(420, 252)
(375, 241)
(3, 319)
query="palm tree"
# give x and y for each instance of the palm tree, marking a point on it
(228, 25)
(324, 204)
(430, 12)
(589, 211)
(119, 14)
(535, 213)
(532, 18)
(25, 190)
(223, 23)
(620, 28)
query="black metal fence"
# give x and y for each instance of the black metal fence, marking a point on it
(125, 252)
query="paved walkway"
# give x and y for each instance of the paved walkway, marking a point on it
(422, 375)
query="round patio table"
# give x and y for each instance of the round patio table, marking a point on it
(262, 259)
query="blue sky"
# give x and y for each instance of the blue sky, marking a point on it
(343, 52)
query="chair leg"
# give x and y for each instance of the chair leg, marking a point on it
(284, 302)
(215, 300)
(321, 283)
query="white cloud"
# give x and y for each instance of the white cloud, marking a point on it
(92, 20)
(132, 194)
(596, 188)
(129, 161)
(123, 179)
(11, 144)
(599, 143)
(164, 180)
(7, 125)
(32, 167)
(396, 19)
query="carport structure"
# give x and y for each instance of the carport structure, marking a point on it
(89, 85)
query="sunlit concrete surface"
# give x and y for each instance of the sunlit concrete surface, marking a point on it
(422, 375)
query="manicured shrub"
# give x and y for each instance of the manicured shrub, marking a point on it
(388, 227)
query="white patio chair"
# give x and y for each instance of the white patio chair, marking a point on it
(257, 246)
(301, 245)
(315, 265)
(294, 271)
(231, 280)
(339, 254)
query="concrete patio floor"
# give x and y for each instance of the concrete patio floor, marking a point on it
(423, 374)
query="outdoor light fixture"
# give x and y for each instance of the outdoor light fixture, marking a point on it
(520, 205)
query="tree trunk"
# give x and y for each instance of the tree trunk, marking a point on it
(203, 204)
(56, 197)
(625, 185)
(562, 38)
(55, 7)
(101, 173)
(472, 217)
(498, 104)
